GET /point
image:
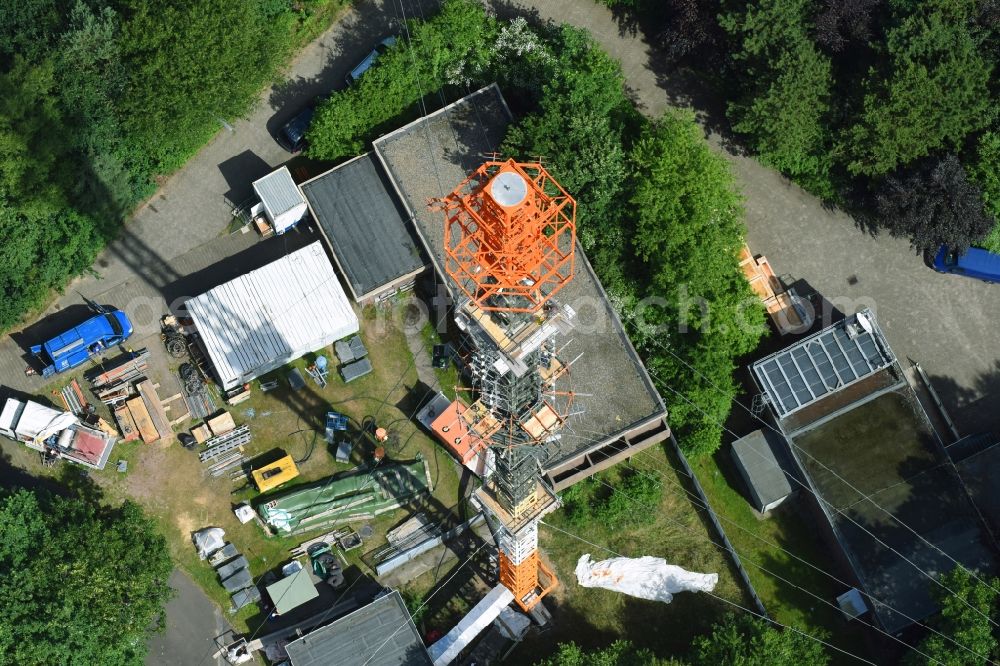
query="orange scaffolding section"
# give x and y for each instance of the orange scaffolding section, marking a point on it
(509, 236)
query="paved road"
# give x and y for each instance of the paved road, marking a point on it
(182, 230)
(948, 324)
(193, 622)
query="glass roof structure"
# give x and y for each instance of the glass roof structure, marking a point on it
(823, 363)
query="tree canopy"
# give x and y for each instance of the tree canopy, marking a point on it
(99, 97)
(619, 653)
(748, 641)
(968, 610)
(696, 313)
(79, 584)
(934, 203)
(786, 89)
(845, 97)
(931, 91)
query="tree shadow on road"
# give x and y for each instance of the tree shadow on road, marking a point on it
(972, 407)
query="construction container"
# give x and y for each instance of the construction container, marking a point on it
(271, 476)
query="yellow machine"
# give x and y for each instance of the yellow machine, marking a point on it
(273, 475)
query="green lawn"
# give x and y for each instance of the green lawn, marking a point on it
(594, 617)
(173, 487)
(764, 541)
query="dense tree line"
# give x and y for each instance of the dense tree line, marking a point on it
(658, 213)
(869, 104)
(99, 97)
(79, 583)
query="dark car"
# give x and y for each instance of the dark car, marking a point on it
(974, 263)
(292, 136)
(370, 59)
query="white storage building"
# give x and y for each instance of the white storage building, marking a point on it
(282, 200)
(272, 316)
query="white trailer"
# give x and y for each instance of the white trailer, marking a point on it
(55, 432)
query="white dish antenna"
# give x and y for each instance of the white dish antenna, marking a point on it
(508, 189)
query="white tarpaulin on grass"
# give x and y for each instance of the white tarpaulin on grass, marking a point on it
(643, 577)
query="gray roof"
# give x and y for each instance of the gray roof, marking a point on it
(379, 634)
(431, 156)
(272, 315)
(823, 363)
(759, 467)
(368, 230)
(278, 192)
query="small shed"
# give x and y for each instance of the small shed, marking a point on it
(272, 315)
(379, 634)
(292, 591)
(755, 459)
(281, 198)
(368, 230)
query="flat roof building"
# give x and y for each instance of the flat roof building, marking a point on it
(272, 315)
(622, 411)
(366, 227)
(379, 634)
(868, 452)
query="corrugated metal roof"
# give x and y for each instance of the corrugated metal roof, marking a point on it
(272, 315)
(823, 363)
(379, 634)
(368, 229)
(278, 192)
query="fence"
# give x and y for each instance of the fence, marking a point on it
(718, 528)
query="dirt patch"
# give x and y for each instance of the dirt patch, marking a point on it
(186, 523)
(145, 482)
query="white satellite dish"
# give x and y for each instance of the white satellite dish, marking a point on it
(508, 189)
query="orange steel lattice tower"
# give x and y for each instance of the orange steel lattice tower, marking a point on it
(509, 241)
(510, 231)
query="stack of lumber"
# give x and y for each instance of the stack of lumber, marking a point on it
(124, 369)
(73, 398)
(780, 304)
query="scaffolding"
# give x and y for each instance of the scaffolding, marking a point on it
(510, 238)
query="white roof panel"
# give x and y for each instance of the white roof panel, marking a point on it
(273, 315)
(278, 192)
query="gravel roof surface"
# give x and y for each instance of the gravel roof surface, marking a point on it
(427, 159)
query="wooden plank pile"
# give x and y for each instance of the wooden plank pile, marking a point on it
(781, 305)
(138, 410)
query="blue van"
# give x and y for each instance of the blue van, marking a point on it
(370, 59)
(974, 263)
(70, 349)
